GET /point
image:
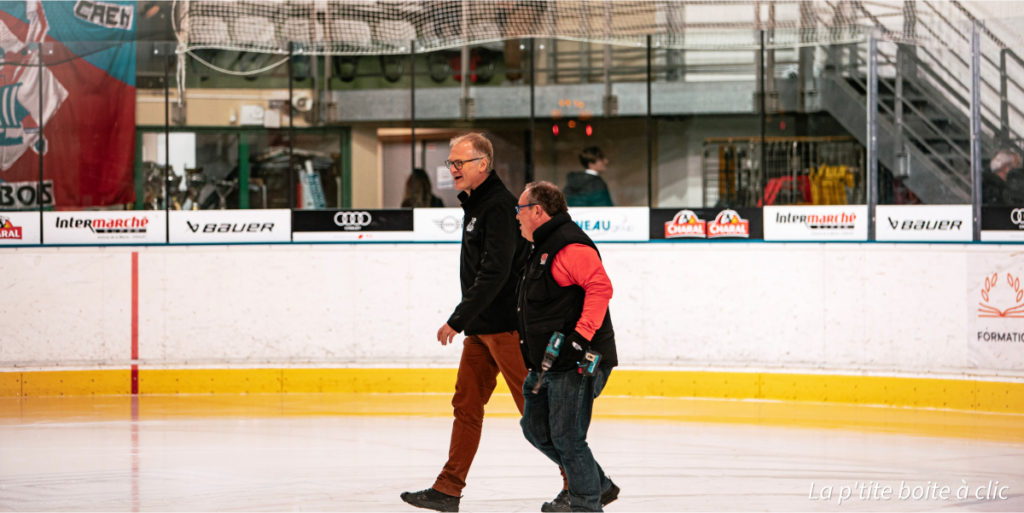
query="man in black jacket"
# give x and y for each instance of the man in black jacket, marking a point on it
(492, 255)
(564, 292)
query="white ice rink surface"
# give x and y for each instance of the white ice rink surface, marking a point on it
(362, 463)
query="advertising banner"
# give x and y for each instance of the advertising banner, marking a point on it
(924, 223)
(995, 311)
(352, 225)
(618, 224)
(1002, 223)
(105, 227)
(76, 109)
(19, 228)
(213, 226)
(706, 223)
(816, 223)
(438, 224)
(25, 195)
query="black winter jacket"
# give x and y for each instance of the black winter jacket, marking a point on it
(493, 253)
(544, 306)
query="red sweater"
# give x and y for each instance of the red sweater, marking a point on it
(578, 264)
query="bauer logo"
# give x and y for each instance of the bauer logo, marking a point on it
(685, 224)
(728, 223)
(8, 230)
(923, 222)
(208, 226)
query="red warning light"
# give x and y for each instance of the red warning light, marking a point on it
(554, 129)
(590, 130)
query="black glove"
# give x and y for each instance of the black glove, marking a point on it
(572, 351)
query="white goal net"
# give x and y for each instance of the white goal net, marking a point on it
(374, 27)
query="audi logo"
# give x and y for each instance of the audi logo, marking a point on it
(1017, 216)
(352, 218)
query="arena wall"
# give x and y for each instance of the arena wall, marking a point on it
(863, 322)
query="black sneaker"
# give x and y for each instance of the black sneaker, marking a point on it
(561, 501)
(432, 499)
(608, 496)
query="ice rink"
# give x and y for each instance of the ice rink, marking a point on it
(337, 452)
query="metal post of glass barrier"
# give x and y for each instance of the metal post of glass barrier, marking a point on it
(412, 105)
(292, 171)
(872, 133)
(976, 128)
(762, 112)
(42, 123)
(531, 156)
(650, 130)
(167, 143)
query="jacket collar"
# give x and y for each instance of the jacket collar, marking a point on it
(545, 230)
(490, 183)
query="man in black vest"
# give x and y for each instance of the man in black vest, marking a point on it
(565, 290)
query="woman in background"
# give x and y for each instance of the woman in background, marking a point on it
(418, 192)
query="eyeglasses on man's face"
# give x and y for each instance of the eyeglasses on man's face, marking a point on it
(528, 205)
(457, 164)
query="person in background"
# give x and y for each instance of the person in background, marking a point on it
(564, 291)
(491, 258)
(418, 191)
(586, 188)
(998, 186)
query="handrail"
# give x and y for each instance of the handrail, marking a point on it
(941, 133)
(915, 137)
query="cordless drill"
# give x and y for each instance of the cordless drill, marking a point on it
(550, 355)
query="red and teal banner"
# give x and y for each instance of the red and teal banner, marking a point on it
(68, 68)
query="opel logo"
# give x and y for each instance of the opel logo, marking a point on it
(1017, 216)
(352, 219)
(449, 224)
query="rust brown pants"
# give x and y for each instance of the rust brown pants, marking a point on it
(483, 357)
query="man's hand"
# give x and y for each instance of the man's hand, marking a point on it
(445, 334)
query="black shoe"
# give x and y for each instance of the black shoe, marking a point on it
(561, 501)
(432, 499)
(608, 496)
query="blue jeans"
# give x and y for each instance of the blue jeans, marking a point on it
(556, 420)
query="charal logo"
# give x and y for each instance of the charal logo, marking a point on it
(686, 224)
(995, 294)
(131, 225)
(728, 223)
(471, 224)
(8, 230)
(258, 227)
(449, 224)
(838, 221)
(353, 221)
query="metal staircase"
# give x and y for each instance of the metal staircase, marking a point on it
(924, 107)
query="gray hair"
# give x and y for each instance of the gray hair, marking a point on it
(481, 145)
